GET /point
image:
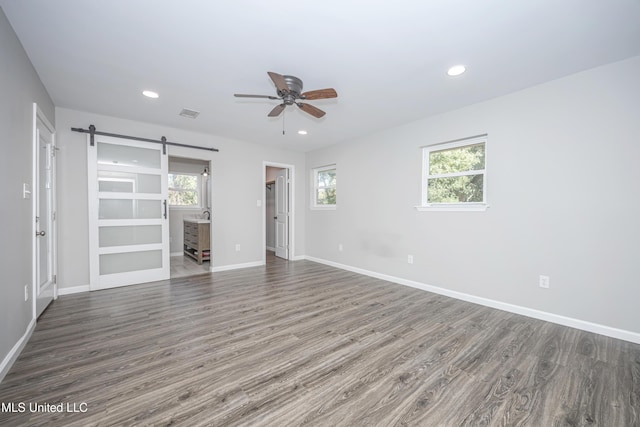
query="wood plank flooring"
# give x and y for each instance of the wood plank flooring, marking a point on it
(300, 343)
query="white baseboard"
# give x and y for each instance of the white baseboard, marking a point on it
(297, 258)
(269, 248)
(512, 308)
(73, 290)
(176, 254)
(13, 354)
(236, 266)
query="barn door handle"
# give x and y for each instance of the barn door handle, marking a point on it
(164, 202)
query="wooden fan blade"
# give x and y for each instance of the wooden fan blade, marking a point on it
(277, 110)
(310, 109)
(242, 95)
(320, 94)
(279, 81)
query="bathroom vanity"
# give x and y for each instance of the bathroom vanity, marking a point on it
(197, 242)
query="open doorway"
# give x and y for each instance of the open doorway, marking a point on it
(189, 216)
(278, 210)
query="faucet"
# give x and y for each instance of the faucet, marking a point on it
(208, 214)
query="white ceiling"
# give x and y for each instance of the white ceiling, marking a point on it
(386, 59)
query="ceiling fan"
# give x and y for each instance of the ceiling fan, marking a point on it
(289, 91)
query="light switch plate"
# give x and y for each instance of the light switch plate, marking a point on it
(26, 191)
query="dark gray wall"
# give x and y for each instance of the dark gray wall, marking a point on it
(20, 87)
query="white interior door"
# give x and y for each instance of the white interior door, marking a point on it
(128, 214)
(282, 214)
(44, 290)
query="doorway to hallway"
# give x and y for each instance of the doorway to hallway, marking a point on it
(278, 209)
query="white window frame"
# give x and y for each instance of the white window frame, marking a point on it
(460, 206)
(199, 190)
(314, 188)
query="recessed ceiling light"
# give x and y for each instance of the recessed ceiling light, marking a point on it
(456, 70)
(150, 94)
(302, 132)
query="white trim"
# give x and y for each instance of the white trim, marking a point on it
(236, 266)
(292, 208)
(13, 354)
(176, 254)
(73, 290)
(39, 116)
(269, 248)
(426, 175)
(454, 207)
(511, 308)
(314, 188)
(34, 207)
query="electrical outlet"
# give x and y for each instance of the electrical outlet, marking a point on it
(340, 248)
(544, 282)
(26, 292)
(410, 259)
(238, 247)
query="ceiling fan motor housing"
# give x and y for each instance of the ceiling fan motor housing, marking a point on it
(295, 89)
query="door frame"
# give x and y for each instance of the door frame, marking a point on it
(38, 115)
(292, 216)
(187, 153)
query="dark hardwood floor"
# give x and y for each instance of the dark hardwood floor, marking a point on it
(300, 343)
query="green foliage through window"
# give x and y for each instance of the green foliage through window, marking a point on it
(325, 186)
(456, 174)
(184, 190)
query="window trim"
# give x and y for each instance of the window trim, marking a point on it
(199, 190)
(314, 187)
(453, 207)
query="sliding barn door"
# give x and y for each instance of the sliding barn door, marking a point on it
(129, 228)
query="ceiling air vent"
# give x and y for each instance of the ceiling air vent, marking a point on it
(192, 114)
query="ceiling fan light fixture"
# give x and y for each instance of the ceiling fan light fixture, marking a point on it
(150, 94)
(289, 91)
(456, 70)
(302, 132)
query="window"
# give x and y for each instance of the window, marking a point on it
(184, 190)
(324, 188)
(454, 175)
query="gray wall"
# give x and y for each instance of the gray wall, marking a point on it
(236, 175)
(563, 182)
(20, 87)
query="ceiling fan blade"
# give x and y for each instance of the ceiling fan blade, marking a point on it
(276, 111)
(242, 95)
(320, 94)
(310, 109)
(279, 81)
